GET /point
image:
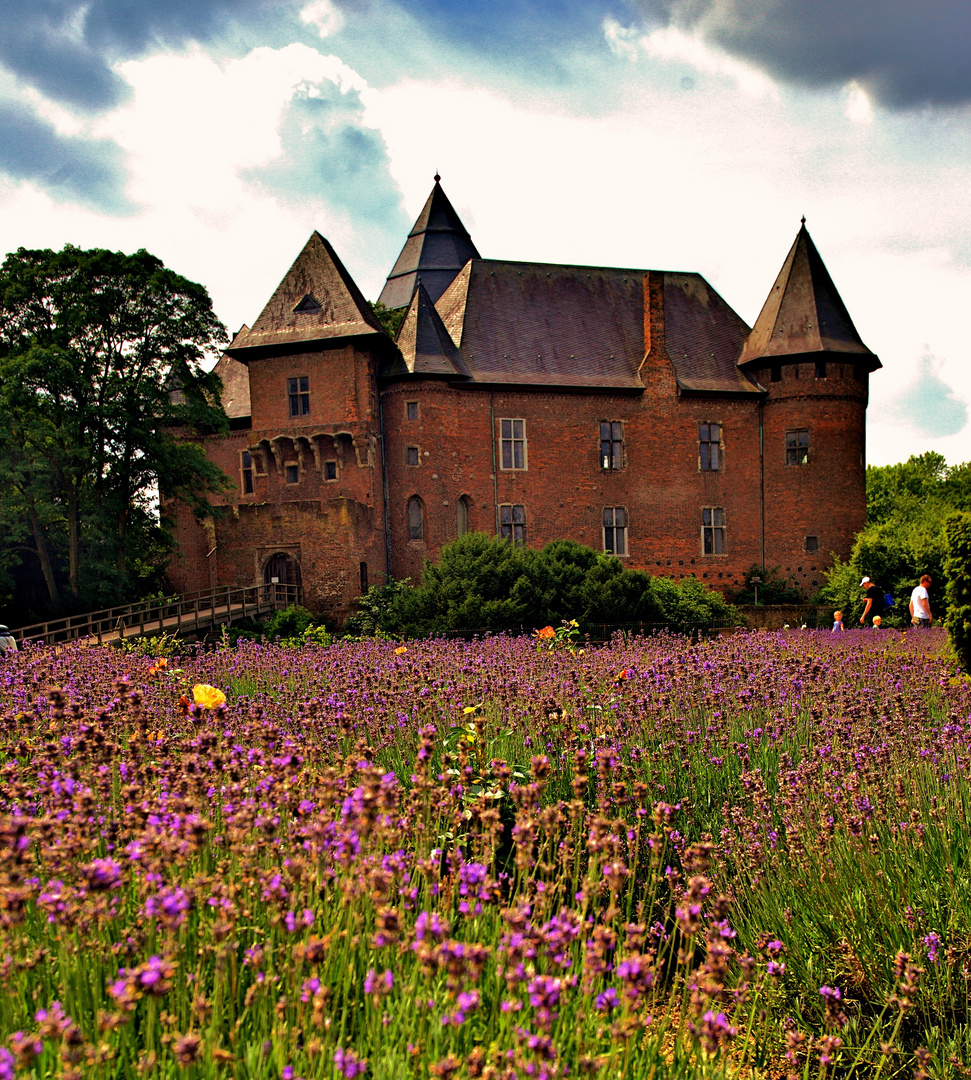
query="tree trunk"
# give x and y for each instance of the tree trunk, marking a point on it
(40, 542)
(73, 541)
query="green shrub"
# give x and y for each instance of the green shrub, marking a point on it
(372, 611)
(773, 588)
(957, 569)
(481, 583)
(288, 622)
(296, 625)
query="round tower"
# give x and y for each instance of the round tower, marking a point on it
(806, 354)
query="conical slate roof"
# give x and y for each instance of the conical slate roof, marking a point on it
(437, 248)
(317, 300)
(803, 313)
(425, 345)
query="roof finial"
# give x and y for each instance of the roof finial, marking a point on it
(802, 220)
(437, 177)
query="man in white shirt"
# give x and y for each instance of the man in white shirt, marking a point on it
(920, 603)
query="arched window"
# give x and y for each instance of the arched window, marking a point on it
(416, 525)
(462, 515)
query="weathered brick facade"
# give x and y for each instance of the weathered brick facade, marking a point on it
(355, 457)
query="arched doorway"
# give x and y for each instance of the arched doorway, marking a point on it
(283, 570)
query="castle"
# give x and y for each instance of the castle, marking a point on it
(631, 410)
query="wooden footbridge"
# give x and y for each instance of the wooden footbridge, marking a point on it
(195, 613)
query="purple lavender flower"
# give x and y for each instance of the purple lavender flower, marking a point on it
(932, 942)
(169, 905)
(378, 984)
(349, 1063)
(607, 1000)
(715, 1031)
(102, 874)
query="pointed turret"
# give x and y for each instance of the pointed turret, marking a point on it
(317, 300)
(424, 342)
(437, 248)
(804, 315)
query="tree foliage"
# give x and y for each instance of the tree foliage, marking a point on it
(481, 583)
(957, 567)
(100, 377)
(390, 318)
(907, 505)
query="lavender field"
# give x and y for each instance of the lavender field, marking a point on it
(745, 857)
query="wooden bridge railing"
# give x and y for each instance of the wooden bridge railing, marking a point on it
(174, 614)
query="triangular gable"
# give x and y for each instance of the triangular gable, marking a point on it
(317, 300)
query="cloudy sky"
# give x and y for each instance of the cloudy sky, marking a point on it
(672, 134)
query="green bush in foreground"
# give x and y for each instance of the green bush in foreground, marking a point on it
(482, 583)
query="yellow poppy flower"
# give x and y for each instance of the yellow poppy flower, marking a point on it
(209, 697)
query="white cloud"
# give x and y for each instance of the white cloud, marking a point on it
(672, 44)
(323, 15)
(858, 105)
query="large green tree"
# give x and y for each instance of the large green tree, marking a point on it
(101, 380)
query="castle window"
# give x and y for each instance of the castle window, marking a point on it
(713, 530)
(411, 455)
(776, 372)
(820, 369)
(615, 530)
(411, 410)
(462, 515)
(363, 577)
(709, 445)
(246, 469)
(812, 543)
(330, 470)
(416, 524)
(797, 447)
(611, 444)
(512, 522)
(298, 391)
(292, 472)
(512, 444)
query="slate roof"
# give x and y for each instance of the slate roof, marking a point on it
(317, 300)
(437, 247)
(804, 313)
(544, 324)
(539, 323)
(703, 336)
(235, 392)
(425, 345)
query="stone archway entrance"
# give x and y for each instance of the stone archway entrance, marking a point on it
(282, 569)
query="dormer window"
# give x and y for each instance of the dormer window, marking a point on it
(308, 305)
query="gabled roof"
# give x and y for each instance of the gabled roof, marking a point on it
(425, 345)
(316, 301)
(803, 313)
(437, 247)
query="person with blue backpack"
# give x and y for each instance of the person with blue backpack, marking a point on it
(876, 601)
